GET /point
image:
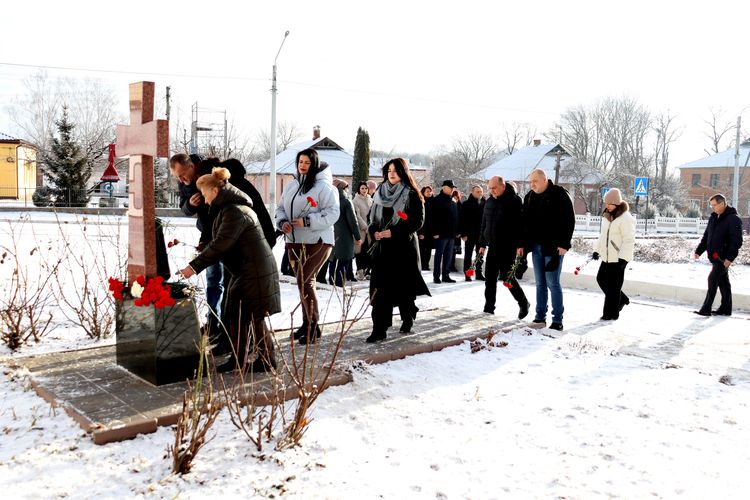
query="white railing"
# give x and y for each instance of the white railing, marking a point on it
(592, 223)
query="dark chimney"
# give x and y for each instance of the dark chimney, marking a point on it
(316, 132)
(537, 142)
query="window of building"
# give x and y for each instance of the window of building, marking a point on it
(714, 181)
(696, 180)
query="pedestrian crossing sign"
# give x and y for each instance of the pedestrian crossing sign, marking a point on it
(641, 186)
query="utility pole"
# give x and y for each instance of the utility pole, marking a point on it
(557, 164)
(736, 181)
(272, 176)
(168, 99)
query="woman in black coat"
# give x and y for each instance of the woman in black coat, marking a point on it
(240, 245)
(396, 280)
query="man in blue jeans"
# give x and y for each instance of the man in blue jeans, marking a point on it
(443, 228)
(548, 221)
(186, 169)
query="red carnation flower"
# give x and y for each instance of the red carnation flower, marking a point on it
(715, 255)
(578, 270)
(169, 244)
(312, 202)
(508, 285)
(469, 273)
(402, 215)
(116, 287)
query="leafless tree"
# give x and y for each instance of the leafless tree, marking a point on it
(517, 135)
(719, 127)
(666, 134)
(465, 158)
(286, 133)
(92, 107)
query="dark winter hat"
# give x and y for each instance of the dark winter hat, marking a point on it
(613, 197)
(449, 183)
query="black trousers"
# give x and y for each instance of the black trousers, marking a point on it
(718, 278)
(497, 265)
(470, 246)
(382, 313)
(425, 252)
(610, 277)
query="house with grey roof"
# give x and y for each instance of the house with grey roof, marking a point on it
(715, 174)
(581, 181)
(18, 172)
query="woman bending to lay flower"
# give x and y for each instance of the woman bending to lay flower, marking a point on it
(240, 245)
(397, 214)
(307, 211)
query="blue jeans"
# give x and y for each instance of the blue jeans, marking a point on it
(214, 291)
(443, 254)
(547, 280)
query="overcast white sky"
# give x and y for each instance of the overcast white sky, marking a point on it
(413, 73)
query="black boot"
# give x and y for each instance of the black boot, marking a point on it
(376, 336)
(311, 337)
(523, 309)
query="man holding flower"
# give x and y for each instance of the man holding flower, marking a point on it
(501, 230)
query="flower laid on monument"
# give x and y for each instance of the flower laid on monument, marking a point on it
(146, 292)
(511, 277)
(401, 216)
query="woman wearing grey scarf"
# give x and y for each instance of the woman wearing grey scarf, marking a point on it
(397, 214)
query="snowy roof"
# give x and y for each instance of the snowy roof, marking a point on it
(339, 161)
(723, 159)
(518, 166)
(6, 137)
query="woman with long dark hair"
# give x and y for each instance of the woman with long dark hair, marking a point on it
(308, 209)
(396, 280)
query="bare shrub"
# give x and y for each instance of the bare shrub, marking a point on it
(199, 412)
(97, 257)
(26, 299)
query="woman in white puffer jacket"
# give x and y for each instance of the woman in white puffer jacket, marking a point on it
(615, 247)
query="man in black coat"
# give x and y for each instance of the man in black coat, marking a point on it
(722, 239)
(501, 231)
(548, 223)
(443, 229)
(470, 221)
(238, 180)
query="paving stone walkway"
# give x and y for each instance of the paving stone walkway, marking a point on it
(112, 404)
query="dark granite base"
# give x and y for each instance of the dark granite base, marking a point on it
(158, 345)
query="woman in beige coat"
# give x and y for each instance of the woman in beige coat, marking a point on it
(362, 203)
(616, 246)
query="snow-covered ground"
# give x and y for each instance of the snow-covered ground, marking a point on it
(628, 409)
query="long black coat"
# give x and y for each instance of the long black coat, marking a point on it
(238, 243)
(723, 235)
(395, 273)
(470, 218)
(345, 230)
(259, 207)
(548, 219)
(443, 216)
(501, 222)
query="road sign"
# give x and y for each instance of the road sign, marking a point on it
(640, 186)
(108, 187)
(605, 190)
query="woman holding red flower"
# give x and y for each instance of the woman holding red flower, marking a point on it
(397, 214)
(307, 211)
(239, 244)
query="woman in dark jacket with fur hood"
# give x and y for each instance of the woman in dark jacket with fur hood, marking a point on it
(239, 243)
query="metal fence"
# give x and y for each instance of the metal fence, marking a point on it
(585, 223)
(24, 197)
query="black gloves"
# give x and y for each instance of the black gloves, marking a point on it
(595, 255)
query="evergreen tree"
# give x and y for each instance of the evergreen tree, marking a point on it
(67, 170)
(361, 166)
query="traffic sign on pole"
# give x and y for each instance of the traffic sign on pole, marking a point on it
(640, 186)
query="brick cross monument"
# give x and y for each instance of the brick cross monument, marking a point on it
(142, 140)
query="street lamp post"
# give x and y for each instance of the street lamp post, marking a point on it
(272, 177)
(736, 183)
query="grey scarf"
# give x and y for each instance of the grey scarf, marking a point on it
(388, 195)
